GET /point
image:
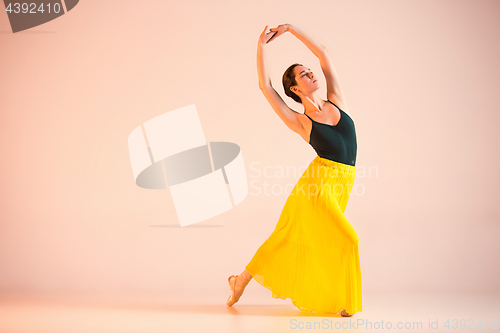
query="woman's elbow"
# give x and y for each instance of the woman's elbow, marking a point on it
(264, 87)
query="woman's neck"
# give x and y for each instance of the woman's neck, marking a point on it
(312, 103)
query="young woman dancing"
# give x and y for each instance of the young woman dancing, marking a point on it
(312, 255)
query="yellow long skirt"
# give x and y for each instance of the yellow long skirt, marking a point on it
(312, 255)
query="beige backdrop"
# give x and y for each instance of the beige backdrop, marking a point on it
(421, 79)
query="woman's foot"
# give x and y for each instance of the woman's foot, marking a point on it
(343, 313)
(237, 284)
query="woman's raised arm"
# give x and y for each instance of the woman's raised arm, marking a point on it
(334, 89)
(289, 116)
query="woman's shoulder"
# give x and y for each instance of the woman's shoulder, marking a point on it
(339, 102)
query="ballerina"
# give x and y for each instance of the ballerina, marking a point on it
(313, 239)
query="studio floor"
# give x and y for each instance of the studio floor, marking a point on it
(466, 311)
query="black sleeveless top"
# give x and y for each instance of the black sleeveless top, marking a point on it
(335, 142)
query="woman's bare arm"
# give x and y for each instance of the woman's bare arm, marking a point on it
(289, 116)
(334, 89)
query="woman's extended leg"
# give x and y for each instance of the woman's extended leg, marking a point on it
(237, 284)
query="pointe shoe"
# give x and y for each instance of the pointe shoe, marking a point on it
(343, 313)
(235, 294)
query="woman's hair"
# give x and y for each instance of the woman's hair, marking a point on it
(289, 81)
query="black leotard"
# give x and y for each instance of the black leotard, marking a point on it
(335, 142)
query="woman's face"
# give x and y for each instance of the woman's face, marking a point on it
(306, 80)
